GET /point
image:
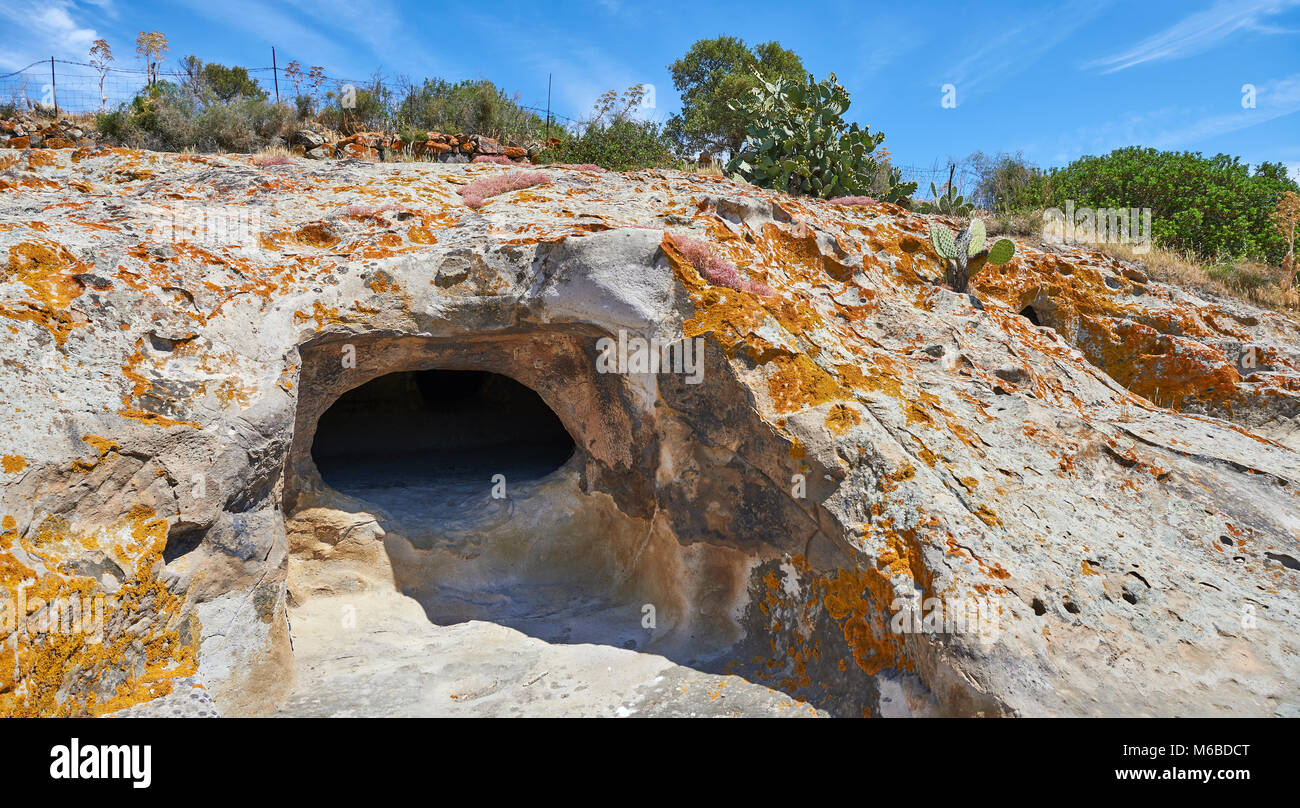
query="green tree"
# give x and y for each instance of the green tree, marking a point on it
(711, 74)
(215, 83)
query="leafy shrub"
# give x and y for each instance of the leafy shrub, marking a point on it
(798, 143)
(175, 117)
(624, 144)
(613, 138)
(472, 107)
(213, 81)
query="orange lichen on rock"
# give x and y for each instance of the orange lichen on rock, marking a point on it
(46, 268)
(797, 382)
(73, 632)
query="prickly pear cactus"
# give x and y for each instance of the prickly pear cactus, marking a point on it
(976, 230)
(965, 253)
(799, 143)
(943, 242)
(1002, 251)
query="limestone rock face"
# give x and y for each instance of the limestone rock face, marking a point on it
(1082, 484)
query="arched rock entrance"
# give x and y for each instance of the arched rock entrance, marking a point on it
(444, 430)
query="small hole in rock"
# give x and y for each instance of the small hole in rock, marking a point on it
(1285, 560)
(1038, 607)
(182, 539)
(1031, 315)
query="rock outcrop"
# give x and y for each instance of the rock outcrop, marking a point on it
(25, 133)
(429, 146)
(1098, 470)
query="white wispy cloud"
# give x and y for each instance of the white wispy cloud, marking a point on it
(581, 74)
(1174, 127)
(44, 28)
(1015, 49)
(1200, 32)
(380, 26)
(293, 35)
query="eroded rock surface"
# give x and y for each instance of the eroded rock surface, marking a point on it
(1104, 465)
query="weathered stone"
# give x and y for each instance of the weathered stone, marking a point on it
(1109, 480)
(307, 139)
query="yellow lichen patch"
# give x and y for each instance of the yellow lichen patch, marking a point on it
(65, 645)
(853, 597)
(797, 382)
(47, 269)
(419, 234)
(842, 418)
(987, 516)
(102, 446)
(799, 255)
(314, 234)
(1168, 370)
(12, 464)
(323, 315)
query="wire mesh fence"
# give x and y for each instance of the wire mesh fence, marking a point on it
(966, 178)
(80, 88)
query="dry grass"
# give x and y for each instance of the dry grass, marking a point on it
(1021, 224)
(274, 156)
(1258, 284)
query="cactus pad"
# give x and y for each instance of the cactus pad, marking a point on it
(1002, 251)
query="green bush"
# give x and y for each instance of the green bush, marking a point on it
(216, 82)
(1210, 206)
(623, 144)
(799, 143)
(613, 138)
(175, 117)
(470, 107)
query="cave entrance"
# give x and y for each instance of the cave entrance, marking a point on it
(444, 429)
(1030, 314)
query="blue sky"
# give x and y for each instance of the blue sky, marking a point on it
(1052, 80)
